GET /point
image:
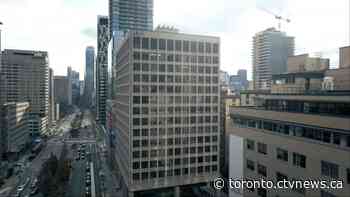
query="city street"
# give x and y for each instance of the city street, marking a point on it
(98, 180)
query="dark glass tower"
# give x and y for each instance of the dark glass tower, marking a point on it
(89, 75)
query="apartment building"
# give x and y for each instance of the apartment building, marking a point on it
(166, 111)
(271, 49)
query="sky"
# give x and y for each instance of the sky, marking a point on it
(65, 27)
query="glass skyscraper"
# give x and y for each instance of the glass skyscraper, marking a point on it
(128, 15)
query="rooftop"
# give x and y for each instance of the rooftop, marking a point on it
(298, 118)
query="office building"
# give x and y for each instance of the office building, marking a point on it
(89, 86)
(14, 128)
(74, 88)
(224, 78)
(271, 49)
(51, 115)
(70, 82)
(344, 57)
(26, 79)
(61, 90)
(81, 86)
(102, 69)
(239, 82)
(298, 131)
(167, 111)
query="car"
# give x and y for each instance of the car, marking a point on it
(82, 157)
(20, 188)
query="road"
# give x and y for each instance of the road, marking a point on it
(103, 179)
(32, 168)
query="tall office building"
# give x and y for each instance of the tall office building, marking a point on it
(297, 131)
(74, 87)
(61, 90)
(102, 68)
(26, 80)
(271, 49)
(89, 87)
(70, 81)
(167, 111)
(51, 98)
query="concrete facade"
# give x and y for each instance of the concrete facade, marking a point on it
(304, 63)
(14, 127)
(166, 112)
(344, 57)
(295, 136)
(26, 79)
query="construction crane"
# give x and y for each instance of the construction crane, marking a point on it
(277, 17)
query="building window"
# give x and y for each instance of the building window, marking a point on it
(193, 47)
(250, 165)
(299, 160)
(136, 165)
(162, 44)
(336, 138)
(136, 176)
(329, 169)
(282, 154)
(201, 47)
(178, 45)
(262, 148)
(154, 44)
(327, 194)
(281, 177)
(250, 144)
(170, 45)
(216, 48)
(145, 43)
(186, 46)
(137, 42)
(207, 47)
(262, 192)
(262, 170)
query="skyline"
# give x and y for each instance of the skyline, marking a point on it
(220, 18)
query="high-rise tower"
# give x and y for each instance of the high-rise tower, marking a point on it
(89, 87)
(102, 68)
(271, 49)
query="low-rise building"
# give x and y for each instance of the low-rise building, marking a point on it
(14, 128)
